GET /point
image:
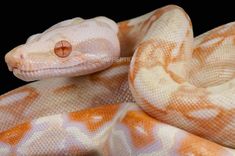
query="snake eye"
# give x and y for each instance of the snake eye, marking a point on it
(62, 48)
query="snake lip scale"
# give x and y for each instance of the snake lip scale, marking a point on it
(27, 74)
(61, 68)
(141, 87)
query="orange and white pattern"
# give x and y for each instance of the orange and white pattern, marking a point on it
(173, 97)
(61, 95)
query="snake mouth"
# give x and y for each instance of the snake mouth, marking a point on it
(69, 71)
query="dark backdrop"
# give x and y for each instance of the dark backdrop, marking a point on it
(20, 20)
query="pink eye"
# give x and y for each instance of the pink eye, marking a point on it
(63, 48)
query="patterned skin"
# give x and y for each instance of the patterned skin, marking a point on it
(183, 85)
(58, 52)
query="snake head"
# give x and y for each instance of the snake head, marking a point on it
(70, 48)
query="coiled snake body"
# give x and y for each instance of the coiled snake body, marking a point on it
(174, 96)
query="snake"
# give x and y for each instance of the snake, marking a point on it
(141, 87)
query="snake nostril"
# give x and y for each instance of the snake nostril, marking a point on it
(14, 60)
(21, 56)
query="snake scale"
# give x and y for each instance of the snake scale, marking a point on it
(143, 86)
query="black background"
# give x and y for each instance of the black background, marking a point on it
(20, 20)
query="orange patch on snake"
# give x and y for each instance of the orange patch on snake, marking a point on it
(183, 50)
(95, 118)
(14, 135)
(123, 61)
(201, 53)
(152, 59)
(137, 31)
(149, 107)
(65, 88)
(140, 126)
(75, 150)
(222, 31)
(127, 42)
(157, 14)
(29, 98)
(199, 102)
(175, 77)
(193, 145)
(22, 103)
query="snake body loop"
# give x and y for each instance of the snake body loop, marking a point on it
(142, 87)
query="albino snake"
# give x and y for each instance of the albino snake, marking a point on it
(174, 96)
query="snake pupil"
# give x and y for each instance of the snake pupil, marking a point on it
(63, 48)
